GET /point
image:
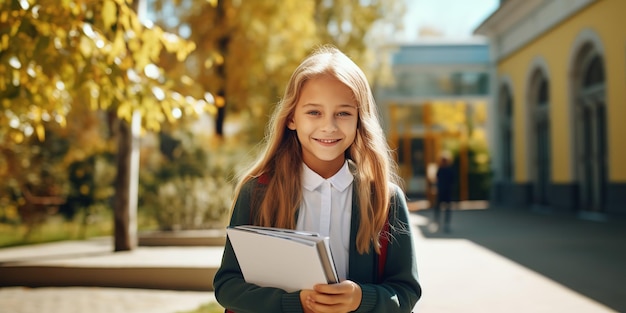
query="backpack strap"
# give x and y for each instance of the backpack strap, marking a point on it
(382, 257)
(258, 193)
(264, 179)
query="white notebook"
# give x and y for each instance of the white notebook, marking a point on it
(282, 258)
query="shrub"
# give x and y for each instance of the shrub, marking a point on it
(187, 185)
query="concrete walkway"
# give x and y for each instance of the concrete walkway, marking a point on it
(508, 261)
(492, 261)
(99, 300)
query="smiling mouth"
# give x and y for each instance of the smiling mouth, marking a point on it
(328, 140)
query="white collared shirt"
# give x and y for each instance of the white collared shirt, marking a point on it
(327, 209)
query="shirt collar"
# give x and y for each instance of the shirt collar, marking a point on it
(341, 180)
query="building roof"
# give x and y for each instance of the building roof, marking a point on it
(442, 52)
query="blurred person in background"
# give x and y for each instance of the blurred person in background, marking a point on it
(445, 179)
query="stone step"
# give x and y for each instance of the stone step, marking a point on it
(93, 263)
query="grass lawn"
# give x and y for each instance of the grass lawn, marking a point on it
(56, 228)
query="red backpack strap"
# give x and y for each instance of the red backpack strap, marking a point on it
(264, 179)
(258, 193)
(382, 257)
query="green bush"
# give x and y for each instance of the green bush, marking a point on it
(188, 185)
(184, 203)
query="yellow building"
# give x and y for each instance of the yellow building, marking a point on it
(560, 103)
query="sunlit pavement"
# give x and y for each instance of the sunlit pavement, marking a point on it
(99, 300)
(458, 275)
(492, 261)
(478, 266)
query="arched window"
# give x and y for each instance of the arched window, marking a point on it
(594, 75)
(539, 132)
(590, 125)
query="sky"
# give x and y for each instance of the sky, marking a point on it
(453, 18)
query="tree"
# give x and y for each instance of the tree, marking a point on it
(248, 49)
(56, 56)
(360, 28)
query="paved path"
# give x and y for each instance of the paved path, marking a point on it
(460, 275)
(99, 300)
(493, 261)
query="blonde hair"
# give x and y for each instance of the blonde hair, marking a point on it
(281, 160)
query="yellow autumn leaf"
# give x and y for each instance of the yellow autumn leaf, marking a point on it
(61, 120)
(117, 47)
(134, 45)
(109, 14)
(159, 116)
(208, 63)
(41, 132)
(181, 55)
(218, 58)
(93, 103)
(37, 98)
(142, 59)
(4, 44)
(124, 111)
(187, 80)
(17, 137)
(123, 20)
(16, 77)
(15, 27)
(167, 111)
(35, 113)
(85, 47)
(153, 125)
(150, 49)
(135, 23)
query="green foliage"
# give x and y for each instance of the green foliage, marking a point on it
(247, 50)
(58, 55)
(184, 203)
(361, 29)
(33, 185)
(37, 183)
(56, 228)
(64, 58)
(61, 61)
(188, 184)
(90, 184)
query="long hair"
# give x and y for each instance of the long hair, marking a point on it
(281, 160)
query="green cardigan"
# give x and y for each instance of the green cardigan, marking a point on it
(398, 291)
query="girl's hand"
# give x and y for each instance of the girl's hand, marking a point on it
(334, 298)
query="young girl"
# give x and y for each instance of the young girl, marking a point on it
(327, 168)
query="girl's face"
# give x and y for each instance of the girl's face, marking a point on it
(325, 120)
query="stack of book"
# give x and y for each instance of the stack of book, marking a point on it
(282, 258)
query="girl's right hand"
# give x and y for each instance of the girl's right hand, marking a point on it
(332, 298)
(305, 295)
